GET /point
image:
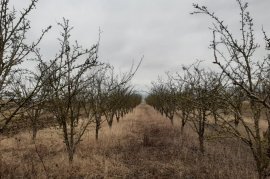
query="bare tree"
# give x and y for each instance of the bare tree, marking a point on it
(235, 57)
(34, 108)
(163, 97)
(203, 85)
(67, 85)
(183, 104)
(14, 51)
(103, 100)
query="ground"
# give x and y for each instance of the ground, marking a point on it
(143, 144)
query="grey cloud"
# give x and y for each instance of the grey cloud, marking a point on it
(161, 30)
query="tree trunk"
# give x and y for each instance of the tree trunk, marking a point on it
(34, 122)
(171, 119)
(110, 119)
(182, 125)
(215, 118)
(97, 129)
(117, 115)
(34, 132)
(202, 121)
(236, 120)
(258, 143)
(184, 120)
(70, 156)
(260, 171)
(201, 141)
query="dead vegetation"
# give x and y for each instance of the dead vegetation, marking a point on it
(142, 145)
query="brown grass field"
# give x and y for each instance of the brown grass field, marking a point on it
(142, 145)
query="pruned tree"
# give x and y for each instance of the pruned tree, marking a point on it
(202, 85)
(66, 87)
(183, 106)
(184, 97)
(103, 101)
(234, 55)
(35, 106)
(163, 97)
(14, 51)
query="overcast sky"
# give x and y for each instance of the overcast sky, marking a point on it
(163, 31)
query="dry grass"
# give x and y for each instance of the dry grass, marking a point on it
(143, 145)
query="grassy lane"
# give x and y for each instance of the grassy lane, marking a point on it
(142, 145)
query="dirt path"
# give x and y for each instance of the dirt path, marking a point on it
(153, 149)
